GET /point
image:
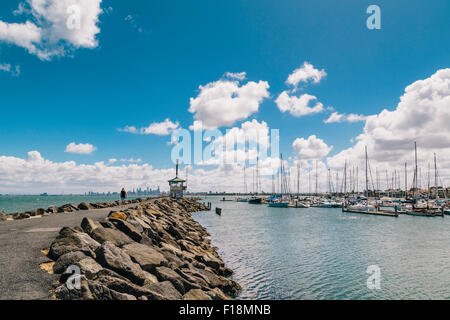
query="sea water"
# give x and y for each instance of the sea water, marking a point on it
(321, 253)
(12, 204)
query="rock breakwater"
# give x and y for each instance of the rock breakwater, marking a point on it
(67, 208)
(155, 250)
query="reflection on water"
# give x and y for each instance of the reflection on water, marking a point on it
(315, 253)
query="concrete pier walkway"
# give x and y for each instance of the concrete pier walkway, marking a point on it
(21, 242)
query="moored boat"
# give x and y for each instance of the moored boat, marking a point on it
(255, 200)
(299, 204)
(279, 204)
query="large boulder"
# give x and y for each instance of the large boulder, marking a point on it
(73, 241)
(118, 215)
(123, 285)
(89, 225)
(114, 236)
(90, 291)
(100, 292)
(82, 293)
(196, 294)
(181, 284)
(67, 260)
(210, 260)
(52, 209)
(89, 267)
(84, 206)
(228, 286)
(21, 215)
(139, 223)
(147, 257)
(67, 208)
(116, 259)
(163, 291)
(217, 294)
(127, 228)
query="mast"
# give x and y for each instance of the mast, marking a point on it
(281, 174)
(345, 178)
(245, 180)
(253, 180)
(367, 178)
(273, 184)
(436, 177)
(415, 170)
(298, 179)
(406, 180)
(357, 183)
(337, 182)
(329, 181)
(377, 177)
(316, 178)
(257, 175)
(428, 197)
(309, 181)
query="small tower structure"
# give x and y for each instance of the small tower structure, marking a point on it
(177, 186)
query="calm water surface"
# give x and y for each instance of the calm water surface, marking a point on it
(320, 253)
(11, 204)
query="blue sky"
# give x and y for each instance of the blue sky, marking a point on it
(146, 68)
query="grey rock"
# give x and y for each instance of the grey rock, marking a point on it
(114, 236)
(116, 259)
(167, 274)
(83, 293)
(163, 291)
(217, 294)
(52, 209)
(89, 267)
(123, 285)
(147, 257)
(66, 260)
(196, 294)
(127, 228)
(89, 225)
(73, 241)
(84, 206)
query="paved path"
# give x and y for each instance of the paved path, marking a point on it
(21, 242)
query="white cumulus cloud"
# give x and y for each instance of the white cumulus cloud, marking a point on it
(305, 74)
(312, 148)
(54, 27)
(159, 128)
(14, 71)
(80, 148)
(298, 106)
(223, 102)
(304, 104)
(422, 115)
(336, 117)
(237, 75)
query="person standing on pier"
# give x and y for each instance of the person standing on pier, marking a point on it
(123, 195)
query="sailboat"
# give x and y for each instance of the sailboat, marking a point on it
(416, 211)
(255, 199)
(239, 199)
(363, 206)
(278, 202)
